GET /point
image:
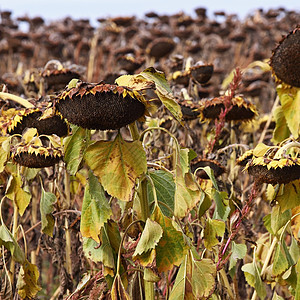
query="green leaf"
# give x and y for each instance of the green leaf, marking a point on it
(253, 278)
(290, 101)
(165, 191)
(8, 241)
(95, 209)
(187, 193)
(213, 229)
(204, 205)
(163, 91)
(150, 275)
(210, 174)
(289, 197)
(280, 262)
(279, 218)
(118, 291)
(239, 251)
(171, 247)
(27, 283)
(104, 253)
(117, 164)
(15, 193)
(150, 237)
(267, 223)
(222, 211)
(74, 147)
(281, 131)
(195, 279)
(297, 289)
(46, 209)
(294, 250)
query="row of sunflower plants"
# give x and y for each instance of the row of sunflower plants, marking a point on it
(154, 222)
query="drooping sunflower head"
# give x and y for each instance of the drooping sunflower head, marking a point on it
(100, 106)
(217, 168)
(271, 164)
(36, 156)
(285, 60)
(242, 109)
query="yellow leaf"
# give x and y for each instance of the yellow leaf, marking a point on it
(27, 283)
(171, 247)
(117, 164)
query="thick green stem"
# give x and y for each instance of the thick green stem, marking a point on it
(34, 207)
(14, 233)
(134, 131)
(68, 248)
(145, 211)
(149, 290)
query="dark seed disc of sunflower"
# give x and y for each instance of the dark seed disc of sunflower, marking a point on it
(237, 113)
(52, 125)
(214, 165)
(27, 121)
(101, 106)
(285, 60)
(273, 176)
(160, 47)
(202, 73)
(57, 81)
(32, 160)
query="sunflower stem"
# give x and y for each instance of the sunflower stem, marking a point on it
(14, 233)
(17, 99)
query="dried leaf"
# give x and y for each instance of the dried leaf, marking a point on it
(117, 164)
(289, 197)
(280, 262)
(252, 275)
(171, 247)
(27, 283)
(290, 101)
(281, 131)
(195, 279)
(104, 253)
(118, 291)
(163, 91)
(150, 237)
(15, 193)
(213, 229)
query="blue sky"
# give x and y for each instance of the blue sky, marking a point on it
(93, 9)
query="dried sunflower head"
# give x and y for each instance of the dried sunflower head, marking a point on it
(242, 109)
(56, 76)
(285, 60)
(180, 77)
(160, 47)
(100, 106)
(213, 164)
(189, 109)
(201, 73)
(36, 156)
(14, 121)
(271, 165)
